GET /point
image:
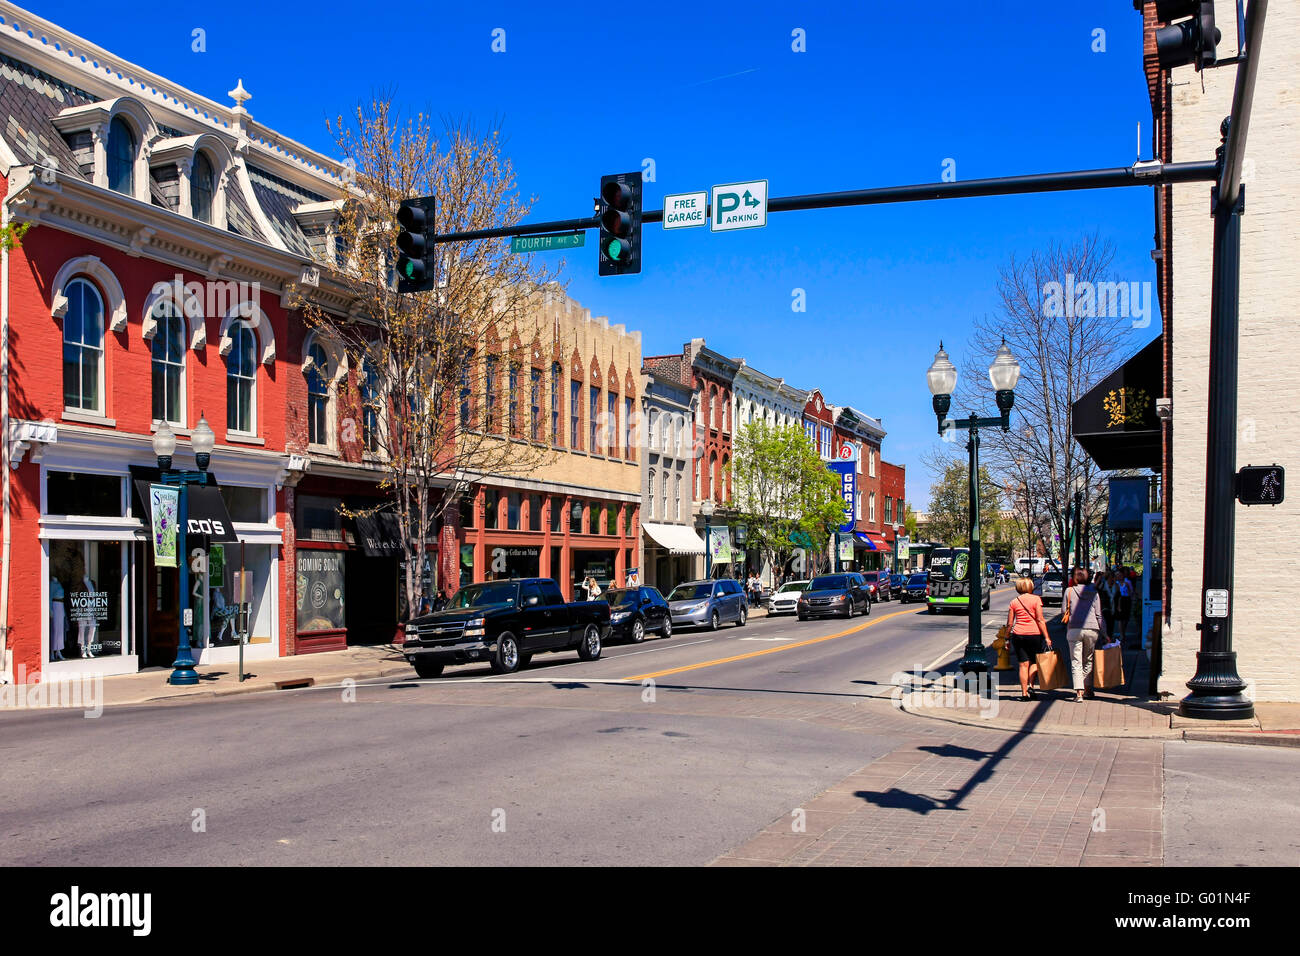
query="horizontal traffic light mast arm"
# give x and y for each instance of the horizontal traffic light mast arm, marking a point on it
(1154, 174)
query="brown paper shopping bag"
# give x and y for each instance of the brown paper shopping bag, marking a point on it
(1108, 667)
(1052, 671)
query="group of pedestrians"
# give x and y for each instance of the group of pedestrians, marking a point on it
(1093, 608)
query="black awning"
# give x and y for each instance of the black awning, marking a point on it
(204, 507)
(1115, 422)
(379, 535)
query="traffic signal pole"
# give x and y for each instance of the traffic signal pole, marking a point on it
(1217, 690)
(1153, 173)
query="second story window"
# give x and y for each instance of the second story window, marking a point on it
(514, 400)
(121, 157)
(83, 348)
(202, 186)
(575, 414)
(555, 403)
(370, 405)
(594, 408)
(241, 380)
(318, 396)
(490, 393)
(611, 424)
(168, 364)
(465, 390)
(535, 404)
(826, 442)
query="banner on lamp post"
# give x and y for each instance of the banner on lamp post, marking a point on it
(720, 544)
(164, 514)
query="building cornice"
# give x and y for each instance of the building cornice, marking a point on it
(142, 229)
(61, 53)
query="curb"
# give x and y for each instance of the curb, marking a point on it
(1247, 737)
(319, 680)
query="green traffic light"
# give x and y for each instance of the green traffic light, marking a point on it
(408, 267)
(617, 249)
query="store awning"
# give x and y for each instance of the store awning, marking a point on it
(379, 535)
(674, 538)
(1115, 422)
(205, 511)
(872, 540)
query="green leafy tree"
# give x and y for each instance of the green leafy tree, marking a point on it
(950, 506)
(782, 491)
(909, 522)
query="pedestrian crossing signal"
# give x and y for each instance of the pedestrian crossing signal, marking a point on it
(1261, 485)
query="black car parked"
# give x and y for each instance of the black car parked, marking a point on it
(835, 594)
(914, 590)
(634, 611)
(505, 623)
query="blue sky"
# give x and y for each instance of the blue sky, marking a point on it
(714, 93)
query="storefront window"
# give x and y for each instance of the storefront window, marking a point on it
(611, 519)
(85, 599)
(319, 519)
(557, 514)
(245, 504)
(467, 510)
(466, 564)
(229, 584)
(513, 500)
(515, 562)
(320, 591)
(593, 518)
(490, 498)
(534, 512)
(575, 517)
(70, 493)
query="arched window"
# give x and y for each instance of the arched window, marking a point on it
(168, 363)
(650, 493)
(121, 157)
(241, 379)
(677, 496)
(663, 493)
(653, 437)
(318, 396)
(83, 347)
(202, 186)
(371, 404)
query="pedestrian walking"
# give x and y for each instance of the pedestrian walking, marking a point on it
(1125, 608)
(1085, 630)
(593, 589)
(1028, 630)
(1109, 590)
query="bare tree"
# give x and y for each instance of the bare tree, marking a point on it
(438, 378)
(1061, 357)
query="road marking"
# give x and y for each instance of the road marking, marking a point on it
(946, 654)
(767, 638)
(769, 650)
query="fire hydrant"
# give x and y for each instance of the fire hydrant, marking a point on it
(1003, 646)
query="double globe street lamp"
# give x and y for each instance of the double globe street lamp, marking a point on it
(202, 440)
(1004, 374)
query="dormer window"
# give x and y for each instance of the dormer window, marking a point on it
(202, 188)
(121, 157)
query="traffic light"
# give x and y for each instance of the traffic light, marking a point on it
(1189, 40)
(620, 224)
(415, 245)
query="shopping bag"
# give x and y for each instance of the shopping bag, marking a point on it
(1108, 667)
(1053, 672)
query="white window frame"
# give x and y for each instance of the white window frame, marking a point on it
(101, 392)
(235, 328)
(164, 311)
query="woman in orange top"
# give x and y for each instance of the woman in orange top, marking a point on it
(1028, 630)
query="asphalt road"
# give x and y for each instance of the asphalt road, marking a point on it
(457, 772)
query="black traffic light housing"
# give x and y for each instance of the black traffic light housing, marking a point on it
(620, 224)
(1189, 40)
(415, 245)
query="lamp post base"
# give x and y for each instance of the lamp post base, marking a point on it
(183, 673)
(975, 660)
(1216, 690)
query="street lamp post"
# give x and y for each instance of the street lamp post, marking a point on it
(706, 509)
(202, 440)
(1004, 373)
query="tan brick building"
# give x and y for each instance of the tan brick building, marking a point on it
(1186, 129)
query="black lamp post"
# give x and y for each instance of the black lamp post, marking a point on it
(164, 446)
(1004, 373)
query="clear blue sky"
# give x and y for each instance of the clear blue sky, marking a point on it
(713, 93)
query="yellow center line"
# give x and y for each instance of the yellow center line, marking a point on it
(769, 650)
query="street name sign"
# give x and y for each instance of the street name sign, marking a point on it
(559, 240)
(739, 206)
(683, 210)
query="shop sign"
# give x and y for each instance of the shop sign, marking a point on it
(320, 590)
(164, 507)
(88, 607)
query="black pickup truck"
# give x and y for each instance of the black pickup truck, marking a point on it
(505, 623)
